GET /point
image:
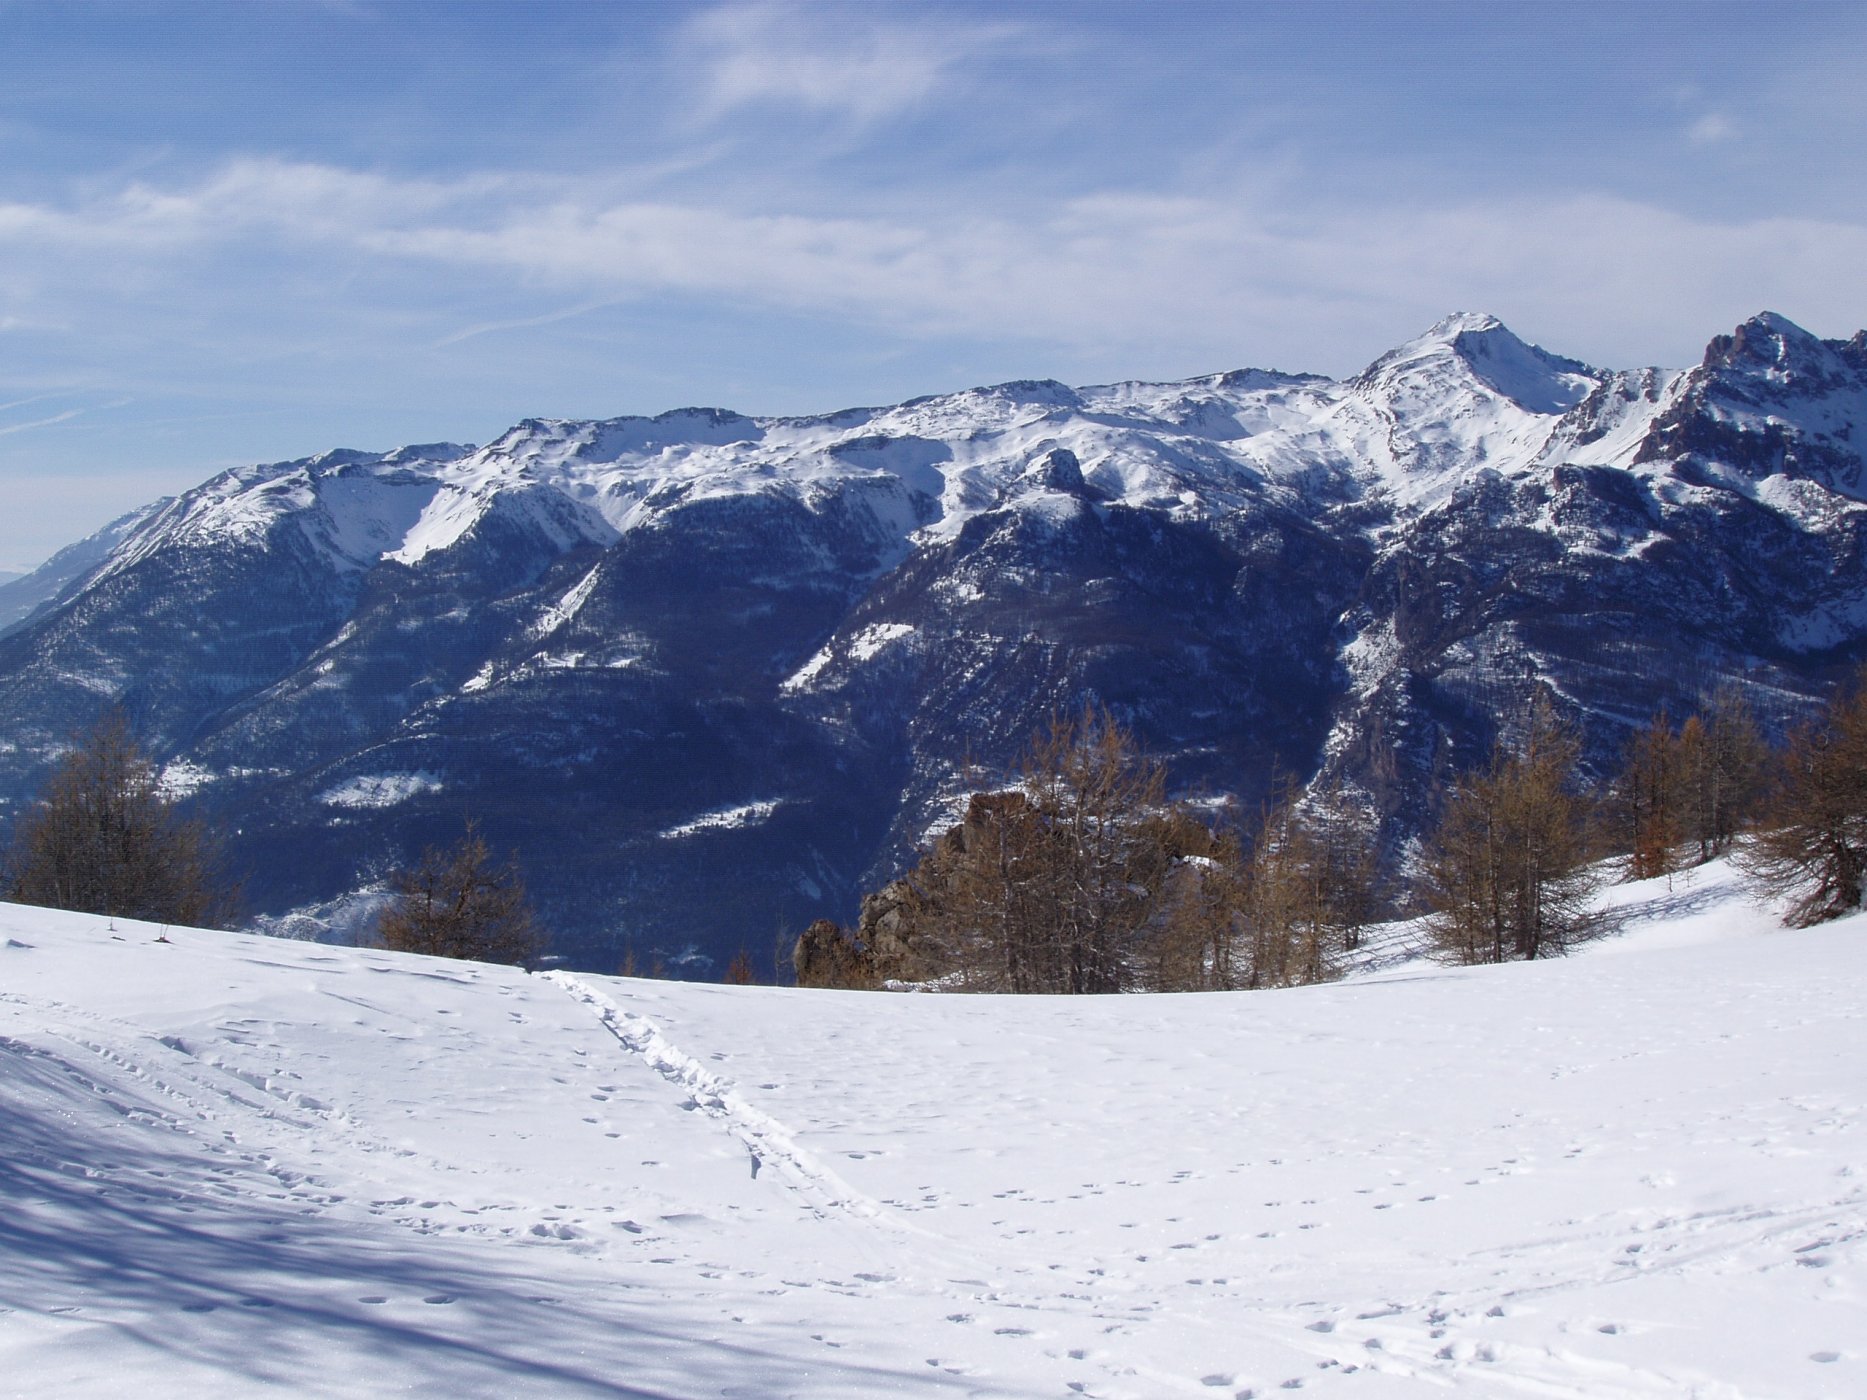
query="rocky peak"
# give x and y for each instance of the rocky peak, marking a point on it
(1058, 470)
(1776, 351)
(1767, 340)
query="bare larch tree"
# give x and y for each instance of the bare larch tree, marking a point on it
(103, 838)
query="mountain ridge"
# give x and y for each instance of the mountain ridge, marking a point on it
(593, 634)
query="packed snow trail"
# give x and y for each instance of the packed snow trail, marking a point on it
(768, 1141)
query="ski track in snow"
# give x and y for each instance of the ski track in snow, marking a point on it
(768, 1141)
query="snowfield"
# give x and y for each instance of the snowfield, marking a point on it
(234, 1166)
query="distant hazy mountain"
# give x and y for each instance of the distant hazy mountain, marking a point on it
(713, 674)
(23, 594)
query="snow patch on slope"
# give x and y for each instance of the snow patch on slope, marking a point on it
(567, 607)
(805, 675)
(725, 819)
(861, 646)
(377, 790)
(181, 778)
(873, 640)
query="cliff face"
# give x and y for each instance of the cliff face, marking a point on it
(716, 675)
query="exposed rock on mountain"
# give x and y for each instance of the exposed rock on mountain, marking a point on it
(714, 675)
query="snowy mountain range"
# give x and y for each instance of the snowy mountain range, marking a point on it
(713, 675)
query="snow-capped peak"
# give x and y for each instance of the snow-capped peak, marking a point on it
(1460, 323)
(1471, 345)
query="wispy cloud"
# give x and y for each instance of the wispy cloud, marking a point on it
(1212, 268)
(23, 403)
(1711, 128)
(522, 323)
(861, 62)
(8, 429)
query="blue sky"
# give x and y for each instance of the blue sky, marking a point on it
(250, 231)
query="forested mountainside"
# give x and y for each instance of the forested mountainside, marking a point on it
(713, 675)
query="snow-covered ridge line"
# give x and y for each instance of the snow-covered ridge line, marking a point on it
(1465, 391)
(1466, 394)
(767, 1140)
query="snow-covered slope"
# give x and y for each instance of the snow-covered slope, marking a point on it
(236, 1166)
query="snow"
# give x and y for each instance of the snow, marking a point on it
(449, 514)
(725, 819)
(182, 778)
(379, 790)
(1465, 397)
(805, 675)
(480, 679)
(1467, 393)
(567, 607)
(1629, 404)
(238, 1166)
(863, 645)
(363, 514)
(872, 641)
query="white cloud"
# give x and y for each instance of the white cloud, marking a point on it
(304, 200)
(860, 62)
(1711, 128)
(1271, 269)
(1207, 269)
